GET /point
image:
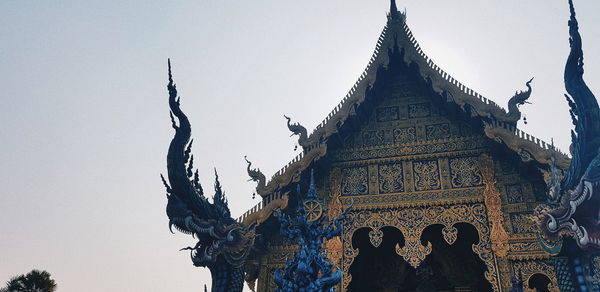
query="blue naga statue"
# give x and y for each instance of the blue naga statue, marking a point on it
(573, 206)
(222, 243)
(309, 270)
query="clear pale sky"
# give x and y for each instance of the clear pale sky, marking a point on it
(84, 125)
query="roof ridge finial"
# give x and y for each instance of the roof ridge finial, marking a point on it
(393, 10)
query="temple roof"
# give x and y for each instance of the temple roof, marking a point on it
(499, 123)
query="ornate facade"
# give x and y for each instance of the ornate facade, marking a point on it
(437, 187)
(432, 176)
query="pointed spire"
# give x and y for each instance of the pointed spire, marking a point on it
(219, 197)
(394, 14)
(575, 61)
(170, 75)
(312, 188)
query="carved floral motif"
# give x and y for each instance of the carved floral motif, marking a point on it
(373, 138)
(427, 175)
(456, 144)
(464, 172)
(529, 247)
(438, 131)
(386, 114)
(514, 193)
(405, 135)
(355, 181)
(427, 198)
(521, 223)
(391, 178)
(419, 110)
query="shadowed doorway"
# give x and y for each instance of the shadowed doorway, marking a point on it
(449, 267)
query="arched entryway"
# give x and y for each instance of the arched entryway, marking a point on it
(449, 267)
(454, 266)
(379, 268)
(539, 283)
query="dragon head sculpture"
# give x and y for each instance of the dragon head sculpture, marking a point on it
(222, 243)
(574, 200)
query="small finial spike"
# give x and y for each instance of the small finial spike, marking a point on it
(393, 10)
(169, 65)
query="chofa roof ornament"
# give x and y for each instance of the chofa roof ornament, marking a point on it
(520, 98)
(256, 176)
(298, 130)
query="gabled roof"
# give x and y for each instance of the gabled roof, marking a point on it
(500, 124)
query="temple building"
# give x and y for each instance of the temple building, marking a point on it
(437, 183)
(414, 182)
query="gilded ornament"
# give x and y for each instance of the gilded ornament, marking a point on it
(313, 210)
(498, 236)
(264, 213)
(411, 222)
(450, 234)
(376, 237)
(414, 252)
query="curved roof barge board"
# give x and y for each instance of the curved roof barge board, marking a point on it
(397, 37)
(440, 81)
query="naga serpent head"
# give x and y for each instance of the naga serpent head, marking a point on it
(577, 212)
(189, 211)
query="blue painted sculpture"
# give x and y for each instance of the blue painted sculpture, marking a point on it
(309, 270)
(574, 201)
(222, 243)
(573, 208)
